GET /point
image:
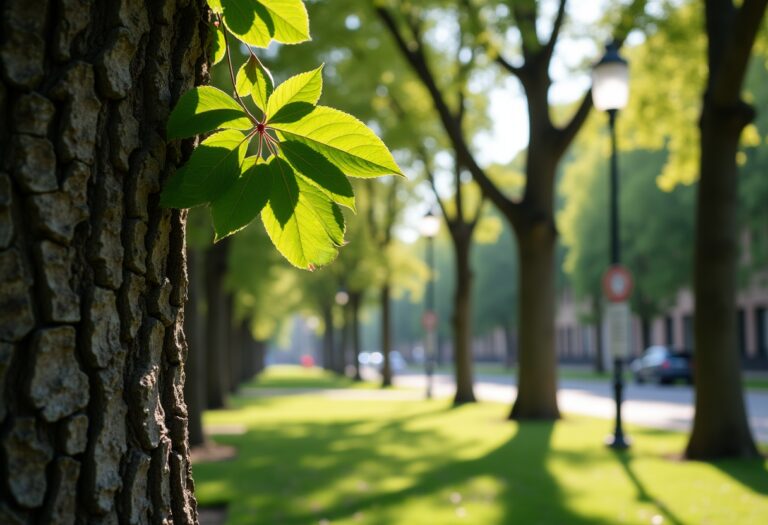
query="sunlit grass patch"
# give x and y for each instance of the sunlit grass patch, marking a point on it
(310, 457)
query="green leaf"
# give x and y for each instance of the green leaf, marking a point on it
(249, 21)
(218, 44)
(203, 109)
(343, 140)
(244, 199)
(215, 5)
(290, 19)
(255, 80)
(319, 171)
(304, 87)
(211, 169)
(303, 223)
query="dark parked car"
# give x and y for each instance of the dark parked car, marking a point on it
(660, 364)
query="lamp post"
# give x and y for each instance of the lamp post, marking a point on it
(610, 93)
(430, 225)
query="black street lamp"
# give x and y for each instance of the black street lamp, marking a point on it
(610, 93)
(430, 225)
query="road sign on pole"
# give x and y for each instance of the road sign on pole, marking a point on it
(617, 284)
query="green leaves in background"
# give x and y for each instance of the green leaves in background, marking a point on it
(310, 150)
(343, 140)
(258, 22)
(203, 109)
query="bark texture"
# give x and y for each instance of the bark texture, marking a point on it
(720, 425)
(94, 424)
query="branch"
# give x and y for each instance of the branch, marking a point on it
(478, 212)
(431, 178)
(457, 197)
(567, 133)
(734, 59)
(549, 48)
(418, 63)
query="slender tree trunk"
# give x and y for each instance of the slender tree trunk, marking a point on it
(462, 320)
(246, 360)
(341, 354)
(194, 386)
(510, 337)
(720, 425)
(328, 352)
(645, 331)
(92, 272)
(234, 343)
(354, 312)
(386, 335)
(216, 325)
(537, 381)
(260, 353)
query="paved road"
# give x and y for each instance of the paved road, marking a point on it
(667, 407)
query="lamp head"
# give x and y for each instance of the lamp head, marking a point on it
(610, 80)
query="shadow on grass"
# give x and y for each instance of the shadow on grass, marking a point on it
(625, 460)
(296, 461)
(744, 471)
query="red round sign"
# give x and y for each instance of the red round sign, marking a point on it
(617, 284)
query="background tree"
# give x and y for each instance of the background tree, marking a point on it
(532, 217)
(94, 420)
(720, 426)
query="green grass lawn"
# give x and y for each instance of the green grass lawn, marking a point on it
(355, 458)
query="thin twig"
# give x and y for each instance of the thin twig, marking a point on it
(232, 76)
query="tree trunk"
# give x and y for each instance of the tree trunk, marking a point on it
(386, 335)
(645, 331)
(94, 424)
(341, 354)
(537, 381)
(216, 323)
(510, 338)
(194, 385)
(354, 309)
(720, 427)
(234, 344)
(246, 360)
(328, 338)
(260, 354)
(462, 320)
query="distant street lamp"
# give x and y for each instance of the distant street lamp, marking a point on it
(430, 225)
(610, 93)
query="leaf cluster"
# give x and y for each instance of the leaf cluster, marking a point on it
(291, 163)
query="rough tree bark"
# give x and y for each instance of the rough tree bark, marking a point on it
(720, 426)
(194, 366)
(94, 424)
(216, 325)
